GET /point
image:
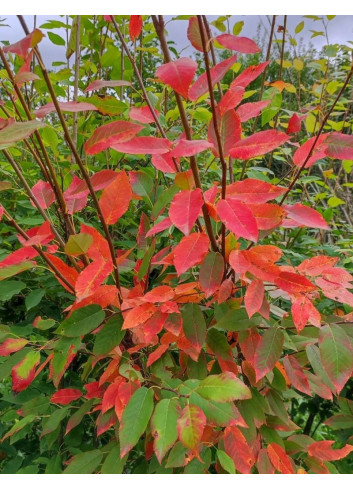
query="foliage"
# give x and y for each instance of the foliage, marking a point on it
(181, 228)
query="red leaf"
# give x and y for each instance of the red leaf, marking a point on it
(251, 109)
(114, 132)
(340, 146)
(279, 459)
(138, 315)
(185, 209)
(184, 147)
(65, 396)
(238, 218)
(76, 195)
(70, 274)
(296, 374)
(293, 124)
(143, 145)
(44, 193)
(104, 295)
(194, 35)
(323, 451)
(252, 191)
(98, 84)
(39, 235)
(306, 216)
(178, 74)
(319, 151)
(240, 44)
(142, 114)
(163, 293)
(11, 345)
(156, 354)
(249, 74)
(91, 277)
(159, 227)
(99, 248)
(19, 256)
(200, 87)
(231, 99)
(190, 251)
(268, 216)
(254, 297)
(293, 283)
(135, 26)
(237, 448)
(21, 47)
(316, 265)
(258, 144)
(65, 107)
(110, 395)
(164, 163)
(190, 426)
(94, 391)
(230, 131)
(116, 198)
(300, 312)
(102, 179)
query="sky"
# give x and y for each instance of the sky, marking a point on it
(340, 30)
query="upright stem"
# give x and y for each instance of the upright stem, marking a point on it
(159, 26)
(77, 158)
(77, 71)
(215, 122)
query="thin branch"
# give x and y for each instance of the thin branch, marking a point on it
(18, 228)
(77, 158)
(301, 169)
(77, 72)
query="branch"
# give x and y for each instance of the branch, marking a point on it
(77, 158)
(318, 135)
(14, 224)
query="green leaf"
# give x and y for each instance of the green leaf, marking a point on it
(10, 288)
(218, 413)
(141, 183)
(82, 321)
(194, 325)
(224, 387)
(56, 39)
(135, 418)
(84, 463)
(12, 270)
(109, 336)
(268, 351)
(191, 424)
(113, 464)
(17, 132)
(273, 108)
(163, 426)
(226, 461)
(78, 244)
(299, 27)
(163, 200)
(34, 298)
(211, 272)
(336, 354)
(238, 27)
(230, 318)
(50, 424)
(18, 426)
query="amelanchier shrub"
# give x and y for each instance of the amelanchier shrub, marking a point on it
(187, 327)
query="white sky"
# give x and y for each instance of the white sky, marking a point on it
(340, 30)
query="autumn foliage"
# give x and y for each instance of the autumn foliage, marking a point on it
(187, 324)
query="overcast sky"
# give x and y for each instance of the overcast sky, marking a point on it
(340, 30)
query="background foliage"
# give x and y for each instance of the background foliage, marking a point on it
(233, 353)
